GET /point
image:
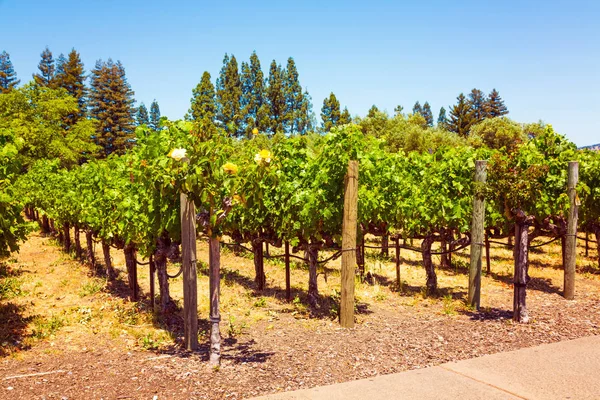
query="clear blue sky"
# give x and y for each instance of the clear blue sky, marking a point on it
(542, 56)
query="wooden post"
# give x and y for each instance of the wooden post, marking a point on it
(398, 281)
(477, 235)
(214, 254)
(571, 239)
(188, 261)
(487, 255)
(349, 228)
(288, 289)
(521, 277)
(587, 245)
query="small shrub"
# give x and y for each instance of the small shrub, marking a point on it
(260, 302)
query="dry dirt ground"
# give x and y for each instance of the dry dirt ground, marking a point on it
(65, 334)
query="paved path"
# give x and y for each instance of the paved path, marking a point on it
(565, 370)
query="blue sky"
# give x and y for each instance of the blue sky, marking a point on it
(542, 56)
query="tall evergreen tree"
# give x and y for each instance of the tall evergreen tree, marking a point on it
(229, 96)
(494, 105)
(203, 102)
(111, 103)
(294, 98)
(477, 102)
(47, 69)
(142, 115)
(461, 117)
(70, 75)
(417, 109)
(307, 122)
(427, 114)
(8, 76)
(254, 102)
(345, 117)
(373, 111)
(154, 122)
(276, 98)
(398, 110)
(330, 113)
(442, 120)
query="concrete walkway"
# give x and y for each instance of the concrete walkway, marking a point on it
(565, 370)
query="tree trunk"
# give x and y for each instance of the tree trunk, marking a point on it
(78, 249)
(521, 277)
(259, 266)
(428, 264)
(214, 289)
(110, 272)
(444, 257)
(90, 256)
(313, 289)
(131, 264)
(45, 224)
(66, 237)
(385, 243)
(160, 261)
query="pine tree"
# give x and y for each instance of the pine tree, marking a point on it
(494, 105)
(345, 117)
(47, 69)
(276, 98)
(294, 98)
(398, 110)
(373, 111)
(229, 94)
(254, 103)
(477, 102)
(154, 122)
(111, 103)
(417, 109)
(203, 102)
(427, 114)
(70, 75)
(461, 117)
(442, 120)
(142, 115)
(306, 122)
(330, 113)
(8, 76)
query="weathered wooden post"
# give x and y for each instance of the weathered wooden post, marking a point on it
(288, 289)
(571, 239)
(521, 277)
(188, 264)
(398, 281)
(214, 254)
(349, 228)
(477, 235)
(587, 243)
(487, 255)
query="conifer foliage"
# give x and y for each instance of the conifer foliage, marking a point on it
(229, 96)
(427, 114)
(111, 103)
(276, 98)
(47, 69)
(494, 105)
(8, 76)
(154, 122)
(70, 75)
(442, 120)
(254, 102)
(330, 113)
(142, 115)
(203, 103)
(461, 116)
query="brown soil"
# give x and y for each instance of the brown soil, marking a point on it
(105, 347)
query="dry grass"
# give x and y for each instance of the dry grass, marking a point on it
(47, 296)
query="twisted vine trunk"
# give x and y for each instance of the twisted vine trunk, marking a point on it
(313, 289)
(163, 245)
(521, 278)
(428, 264)
(131, 263)
(444, 257)
(78, 250)
(110, 272)
(45, 224)
(259, 265)
(66, 237)
(385, 243)
(90, 256)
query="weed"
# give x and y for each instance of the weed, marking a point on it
(260, 302)
(46, 327)
(10, 287)
(91, 288)
(234, 329)
(85, 315)
(148, 342)
(448, 304)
